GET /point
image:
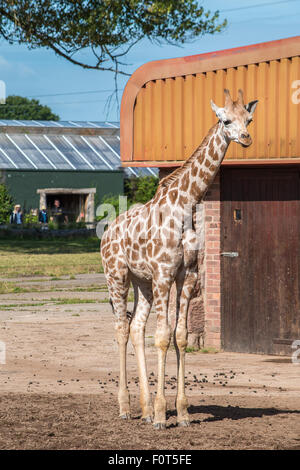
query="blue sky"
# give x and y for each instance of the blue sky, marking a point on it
(34, 73)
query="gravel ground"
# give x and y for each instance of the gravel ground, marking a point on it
(59, 384)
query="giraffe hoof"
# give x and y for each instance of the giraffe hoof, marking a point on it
(125, 416)
(159, 425)
(147, 419)
(184, 424)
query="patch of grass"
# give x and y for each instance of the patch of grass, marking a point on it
(73, 301)
(202, 350)
(54, 301)
(49, 257)
(11, 288)
(208, 351)
(14, 306)
(191, 349)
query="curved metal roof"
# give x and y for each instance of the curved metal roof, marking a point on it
(62, 145)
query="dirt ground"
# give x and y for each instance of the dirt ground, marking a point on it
(58, 387)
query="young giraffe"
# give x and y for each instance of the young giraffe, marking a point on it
(149, 246)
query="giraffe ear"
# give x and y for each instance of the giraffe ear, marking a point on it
(250, 107)
(219, 111)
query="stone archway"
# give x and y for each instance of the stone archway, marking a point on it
(87, 196)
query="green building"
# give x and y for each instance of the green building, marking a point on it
(75, 162)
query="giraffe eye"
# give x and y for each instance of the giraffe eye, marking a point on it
(249, 120)
(227, 122)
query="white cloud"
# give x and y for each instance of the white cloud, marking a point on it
(4, 64)
(25, 71)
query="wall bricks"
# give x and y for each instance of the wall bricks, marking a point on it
(212, 298)
(204, 320)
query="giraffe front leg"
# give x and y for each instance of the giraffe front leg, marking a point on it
(162, 342)
(185, 286)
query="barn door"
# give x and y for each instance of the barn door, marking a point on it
(260, 233)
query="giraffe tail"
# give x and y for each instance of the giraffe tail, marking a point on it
(128, 314)
(112, 306)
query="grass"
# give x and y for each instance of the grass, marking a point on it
(202, 350)
(11, 288)
(7, 287)
(53, 258)
(54, 301)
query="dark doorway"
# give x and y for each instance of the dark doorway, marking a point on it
(73, 205)
(260, 233)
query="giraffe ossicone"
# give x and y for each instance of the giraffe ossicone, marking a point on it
(155, 245)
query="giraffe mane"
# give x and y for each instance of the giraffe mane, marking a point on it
(169, 179)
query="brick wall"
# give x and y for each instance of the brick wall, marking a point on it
(213, 266)
(204, 320)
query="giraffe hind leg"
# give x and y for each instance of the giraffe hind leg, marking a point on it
(129, 315)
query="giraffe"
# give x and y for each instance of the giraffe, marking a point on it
(150, 247)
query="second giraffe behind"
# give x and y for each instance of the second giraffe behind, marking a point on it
(151, 247)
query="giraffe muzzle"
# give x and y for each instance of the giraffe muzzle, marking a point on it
(245, 140)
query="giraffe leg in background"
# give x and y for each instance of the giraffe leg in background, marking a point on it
(161, 292)
(143, 299)
(118, 291)
(185, 283)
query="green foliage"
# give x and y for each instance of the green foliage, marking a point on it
(141, 189)
(6, 204)
(109, 28)
(18, 107)
(137, 190)
(30, 219)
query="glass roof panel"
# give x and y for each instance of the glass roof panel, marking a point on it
(59, 162)
(105, 151)
(81, 143)
(62, 145)
(31, 151)
(4, 161)
(11, 150)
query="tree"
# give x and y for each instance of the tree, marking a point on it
(18, 107)
(141, 189)
(6, 204)
(138, 190)
(107, 28)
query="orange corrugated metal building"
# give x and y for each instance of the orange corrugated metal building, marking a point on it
(166, 112)
(166, 109)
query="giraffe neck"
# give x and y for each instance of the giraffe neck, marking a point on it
(199, 171)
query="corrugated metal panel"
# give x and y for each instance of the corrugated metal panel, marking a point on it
(166, 112)
(172, 116)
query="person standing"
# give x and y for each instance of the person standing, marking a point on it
(43, 217)
(57, 213)
(16, 216)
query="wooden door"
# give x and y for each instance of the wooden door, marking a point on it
(260, 221)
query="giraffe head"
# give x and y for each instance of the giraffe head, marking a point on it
(235, 117)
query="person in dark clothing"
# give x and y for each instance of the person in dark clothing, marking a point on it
(43, 216)
(57, 213)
